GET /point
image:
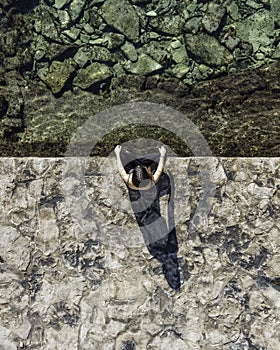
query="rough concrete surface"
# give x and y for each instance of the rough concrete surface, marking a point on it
(75, 273)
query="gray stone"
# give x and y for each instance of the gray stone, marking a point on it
(254, 4)
(205, 70)
(64, 18)
(207, 49)
(44, 23)
(39, 47)
(95, 20)
(230, 41)
(88, 28)
(191, 7)
(118, 70)
(157, 53)
(8, 42)
(233, 10)
(72, 34)
(275, 10)
(75, 9)
(129, 51)
(180, 70)
(61, 3)
(192, 25)
(165, 6)
(94, 73)
(176, 44)
(179, 53)
(98, 41)
(151, 14)
(58, 74)
(276, 53)
(213, 17)
(85, 38)
(158, 49)
(92, 53)
(145, 65)
(11, 123)
(259, 56)
(123, 17)
(168, 24)
(256, 29)
(114, 40)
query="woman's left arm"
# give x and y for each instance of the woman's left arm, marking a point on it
(161, 163)
(121, 169)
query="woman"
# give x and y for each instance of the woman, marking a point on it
(141, 178)
(146, 183)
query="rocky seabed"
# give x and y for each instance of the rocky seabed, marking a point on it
(65, 45)
(75, 273)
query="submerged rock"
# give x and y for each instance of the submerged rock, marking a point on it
(58, 74)
(8, 42)
(44, 23)
(180, 70)
(275, 9)
(114, 40)
(60, 3)
(122, 17)
(145, 65)
(214, 15)
(256, 29)
(167, 24)
(92, 53)
(94, 73)
(129, 51)
(158, 50)
(232, 10)
(178, 52)
(76, 8)
(165, 6)
(192, 25)
(207, 49)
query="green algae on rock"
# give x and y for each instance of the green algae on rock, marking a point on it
(256, 29)
(145, 65)
(122, 16)
(94, 73)
(167, 24)
(213, 17)
(129, 51)
(58, 74)
(90, 53)
(114, 40)
(207, 49)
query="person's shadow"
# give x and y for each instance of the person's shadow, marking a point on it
(160, 238)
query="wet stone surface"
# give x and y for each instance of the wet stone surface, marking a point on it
(76, 274)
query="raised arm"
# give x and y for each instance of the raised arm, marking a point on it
(121, 169)
(161, 163)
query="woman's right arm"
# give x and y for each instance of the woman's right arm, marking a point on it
(121, 169)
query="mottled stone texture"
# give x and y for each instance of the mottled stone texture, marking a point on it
(75, 273)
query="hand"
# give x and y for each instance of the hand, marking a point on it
(117, 150)
(162, 151)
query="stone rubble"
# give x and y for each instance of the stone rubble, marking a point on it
(102, 23)
(53, 42)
